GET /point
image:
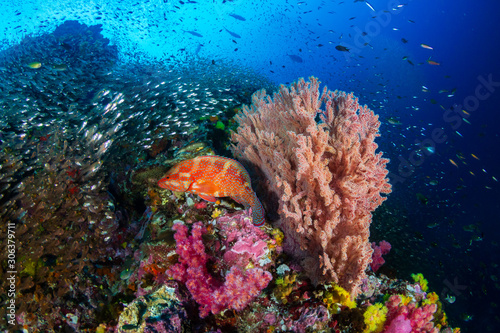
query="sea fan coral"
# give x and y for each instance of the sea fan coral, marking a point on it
(326, 175)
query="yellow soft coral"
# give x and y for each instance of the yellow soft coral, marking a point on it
(337, 298)
(284, 287)
(375, 316)
(277, 239)
(419, 278)
(443, 321)
(405, 300)
(287, 280)
(431, 298)
(439, 316)
(278, 236)
(216, 213)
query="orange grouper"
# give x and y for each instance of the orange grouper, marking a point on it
(214, 176)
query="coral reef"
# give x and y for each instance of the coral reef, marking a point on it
(98, 244)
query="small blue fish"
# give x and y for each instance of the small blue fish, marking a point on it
(295, 58)
(194, 33)
(238, 17)
(235, 35)
(198, 49)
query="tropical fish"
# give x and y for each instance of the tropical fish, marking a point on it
(422, 198)
(425, 46)
(211, 177)
(66, 46)
(433, 225)
(295, 58)
(429, 149)
(235, 35)
(35, 65)
(60, 67)
(466, 317)
(432, 62)
(194, 33)
(394, 121)
(450, 299)
(341, 48)
(238, 17)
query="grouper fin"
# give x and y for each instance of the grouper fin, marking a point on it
(203, 186)
(208, 198)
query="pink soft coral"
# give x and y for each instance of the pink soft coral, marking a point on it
(245, 243)
(238, 289)
(399, 325)
(378, 251)
(399, 316)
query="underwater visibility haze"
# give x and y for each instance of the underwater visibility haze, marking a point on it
(249, 166)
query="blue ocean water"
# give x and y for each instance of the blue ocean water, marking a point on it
(429, 69)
